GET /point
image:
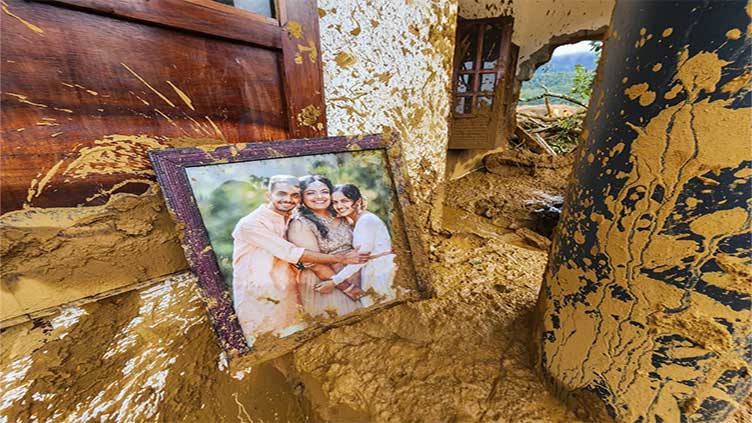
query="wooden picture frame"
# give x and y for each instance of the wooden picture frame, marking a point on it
(172, 167)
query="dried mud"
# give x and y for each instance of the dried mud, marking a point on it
(461, 356)
(503, 198)
(150, 354)
(146, 355)
(55, 256)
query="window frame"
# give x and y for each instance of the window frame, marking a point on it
(477, 72)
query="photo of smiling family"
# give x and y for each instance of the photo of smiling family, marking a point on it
(299, 237)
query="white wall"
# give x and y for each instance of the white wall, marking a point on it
(387, 68)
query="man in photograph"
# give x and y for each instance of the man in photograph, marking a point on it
(264, 278)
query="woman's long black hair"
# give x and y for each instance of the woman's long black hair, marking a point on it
(307, 213)
(350, 191)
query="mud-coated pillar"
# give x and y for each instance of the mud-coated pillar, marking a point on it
(644, 315)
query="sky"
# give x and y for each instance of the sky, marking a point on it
(580, 47)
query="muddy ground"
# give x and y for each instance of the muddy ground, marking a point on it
(461, 356)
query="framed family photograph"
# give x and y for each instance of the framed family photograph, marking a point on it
(290, 238)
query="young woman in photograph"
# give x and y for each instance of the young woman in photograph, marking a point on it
(371, 235)
(317, 227)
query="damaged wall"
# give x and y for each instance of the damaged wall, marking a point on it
(150, 353)
(539, 27)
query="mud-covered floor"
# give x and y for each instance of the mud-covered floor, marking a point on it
(150, 355)
(461, 356)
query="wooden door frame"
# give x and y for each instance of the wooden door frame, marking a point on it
(295, 33)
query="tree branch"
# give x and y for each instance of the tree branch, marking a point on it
(547, 93)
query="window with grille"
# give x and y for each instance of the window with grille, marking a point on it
(483, 80)
(477, 64)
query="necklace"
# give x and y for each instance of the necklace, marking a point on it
(328, 219)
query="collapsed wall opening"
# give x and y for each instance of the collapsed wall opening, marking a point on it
(472, 139)
(522, 145)
(553, 102)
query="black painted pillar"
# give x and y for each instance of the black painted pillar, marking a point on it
(644, 315)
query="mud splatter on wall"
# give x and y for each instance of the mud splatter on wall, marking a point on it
(645, 310)
(386, 68)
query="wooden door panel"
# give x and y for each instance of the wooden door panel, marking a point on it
(206, 17)
(78, 87)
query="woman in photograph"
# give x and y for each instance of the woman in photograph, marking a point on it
(317, 227)
(370, 235)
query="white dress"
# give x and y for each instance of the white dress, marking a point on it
(371, 235)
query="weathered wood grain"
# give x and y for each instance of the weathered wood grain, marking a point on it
(85, 95)
(303, 77)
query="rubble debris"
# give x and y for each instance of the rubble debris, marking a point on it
(548, 215)
(559, 128)
(534, 141)
(524, 161)
(534, 238)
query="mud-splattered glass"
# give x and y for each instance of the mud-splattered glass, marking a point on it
(467, 43)
(463, 105)
(465, 83)
(488, 82)
(484, 102)
(491, 46)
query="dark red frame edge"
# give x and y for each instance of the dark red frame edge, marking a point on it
(169, 167)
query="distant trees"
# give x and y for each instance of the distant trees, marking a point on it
(561, 76)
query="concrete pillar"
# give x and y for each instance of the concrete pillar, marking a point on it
(644, 314)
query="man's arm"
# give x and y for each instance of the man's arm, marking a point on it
(352, 257)
(257, 234)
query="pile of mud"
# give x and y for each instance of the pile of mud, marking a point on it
(150, 354)
(518, 192)
(461, 356)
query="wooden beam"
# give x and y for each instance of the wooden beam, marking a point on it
(203, 16)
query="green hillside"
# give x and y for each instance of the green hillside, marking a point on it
(560, 76)
(557, 82)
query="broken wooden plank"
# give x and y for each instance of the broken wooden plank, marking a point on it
(544, 145)
(534, 141)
